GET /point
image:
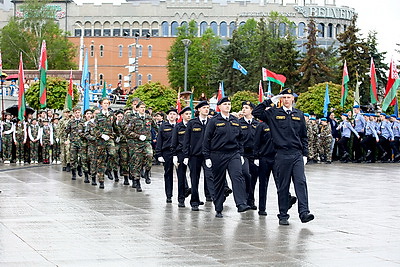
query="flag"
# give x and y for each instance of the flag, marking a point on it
(357, 91)
(70, 93)
(104, 91)
(237, 66)
(326, 101)
(221, 93)
(373, 92)
(391, 87)
(85, 82)
(345, 86)
(269, 92)
(191, 103)
(43, 78)
(273, 77)
(396, 108)
(1, 65)
(178, 104)
(260, 93)
(21, 89)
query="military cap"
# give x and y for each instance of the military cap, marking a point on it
(356, 106)
(140, 103)
(313, 118)
(201, 104)
(66, 110)
(88, 110)
(306, 114)
(345, 114)
(367, 114)
(223, 100)
(382, 114)
(286, 91)
(172, 110)
(387, 117)
(324, 119)
(76, 108)
(248, 103)
(393, 115)
(95, 108)
(184, 110)
(45, 120)
(7, 113)
(120, 111)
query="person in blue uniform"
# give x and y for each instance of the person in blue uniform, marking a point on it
(359, 126)
(386, 136)
(163, 150)
(223, 150)
(345, 128)
(289, 134)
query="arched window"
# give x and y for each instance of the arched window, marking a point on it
(292, 29)
(321, 30)
(214, 27)
(149, 77)
(164, 29)
(78, 32)
(101, 50)
(119, 77)
(203, 27)
(223, 29)
(140, 79)
(338, 29)
(149, 51)
(91, 50)
(140, 49)
(174, 30)
(120, 47)
(242, 23)
(282, 29)
(302, 27)
(130, 48)
(101, 78)
(232, 27)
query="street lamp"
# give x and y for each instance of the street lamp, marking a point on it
(81, 46)
(186, 43)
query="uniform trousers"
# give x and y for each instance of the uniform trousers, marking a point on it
(182, 179)
(168, 172)
(264, 170)
(250, 174)
(196, 163)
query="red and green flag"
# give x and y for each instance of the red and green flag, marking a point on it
(21, 91)
(43, 78)
(273, 77)
(70, 93)
(260, 92)
(345, 86)
(391, 87)
(373, 91)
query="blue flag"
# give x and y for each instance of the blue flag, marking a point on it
(269, 92)
(396, 108)
(221, 85)
(85, 83)
(326, 101)
(237, 66)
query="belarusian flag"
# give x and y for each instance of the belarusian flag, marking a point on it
(373, 92)
(70, 93)
(273, 77)
(260, 92)
(345, 86)
(391, 87)
(43, 79)
(21, 89)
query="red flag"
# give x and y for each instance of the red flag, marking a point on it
(345, 86)
(393, 76)
(373, 91)
(43, 78)
(219, 96)
(260, 92)
(70, 93)
(178, 104)
(21, 89)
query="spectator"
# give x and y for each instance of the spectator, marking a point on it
(203, 97)
(213, 102)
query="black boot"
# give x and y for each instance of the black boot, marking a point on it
(101, 185)
(68, 168)
(80, 171)
(126, 180)
(86, 178)
(116, 176)
(138, 187)
(147, 177)
(94, 179)
(109, 174)
(64, 168)
(134, 182)
(73, 174)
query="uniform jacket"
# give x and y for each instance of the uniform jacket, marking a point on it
(178, 136)
(248, 132)
(263, 143)
(164, 138)
(194, 136)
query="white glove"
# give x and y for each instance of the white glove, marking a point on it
(175, 160)
(208, 163)
(105, 137)
(161, 159)
(186, 161)
(57, 140)
(242, 159)
(275, 99)
(305, 160)
(118, 139)
(142, 137)
(257, 162)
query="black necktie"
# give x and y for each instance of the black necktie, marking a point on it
(288, 111)
(203, 122)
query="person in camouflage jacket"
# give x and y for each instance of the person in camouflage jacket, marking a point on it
(64, 145)
(92, 146)
(19, 136)
(34, 137)
(121, 146)
(72, 135)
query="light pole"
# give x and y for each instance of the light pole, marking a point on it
(186, 43)
(137, 59)
(81, 46)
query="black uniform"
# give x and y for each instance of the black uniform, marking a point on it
(163, 149)
(222, 144)
(289, 133)
(250, 171)
(193, 150)
(178, 135)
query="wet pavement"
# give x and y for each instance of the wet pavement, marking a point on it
(46, 219)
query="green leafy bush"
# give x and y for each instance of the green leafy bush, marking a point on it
(241, 96)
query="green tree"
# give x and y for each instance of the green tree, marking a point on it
(56, 92)
(241, 96)
(27, 33)
(155, 95)
(313, 99)
(313, 68)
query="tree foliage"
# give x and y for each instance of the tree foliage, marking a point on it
(155, 95)
(25, 34)
(56, 92)
(241, 96)
(313, 99)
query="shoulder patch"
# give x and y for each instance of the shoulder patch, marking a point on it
(280, 117)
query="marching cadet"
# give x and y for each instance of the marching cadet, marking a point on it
(194, 158)
(85, 161)
(72, 135)
(222, 149)
(313, 140)
(177, 144)
(64, 143)
(359, 126)
(163, 150)
(56, 145)
(250, 170)
(289, 133)
(121, 146)
(103, 130)
(325, 141)
(34, 137)
(138, 134)
(370, 139)
(7, 129)
(46, 140)
(19, 137)
(92, 145)
(396, 133)
(345, 130)
(385, 137)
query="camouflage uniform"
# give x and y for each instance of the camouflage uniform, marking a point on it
(105, 149)
(121, 144)
(73, 131)
(34, 134)
(19, 136)
(91, 149)
(56, 145)
(84, 149)
(65, 153)
(7, 130)
(325, 143)
(46, 140)
(312, 133)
